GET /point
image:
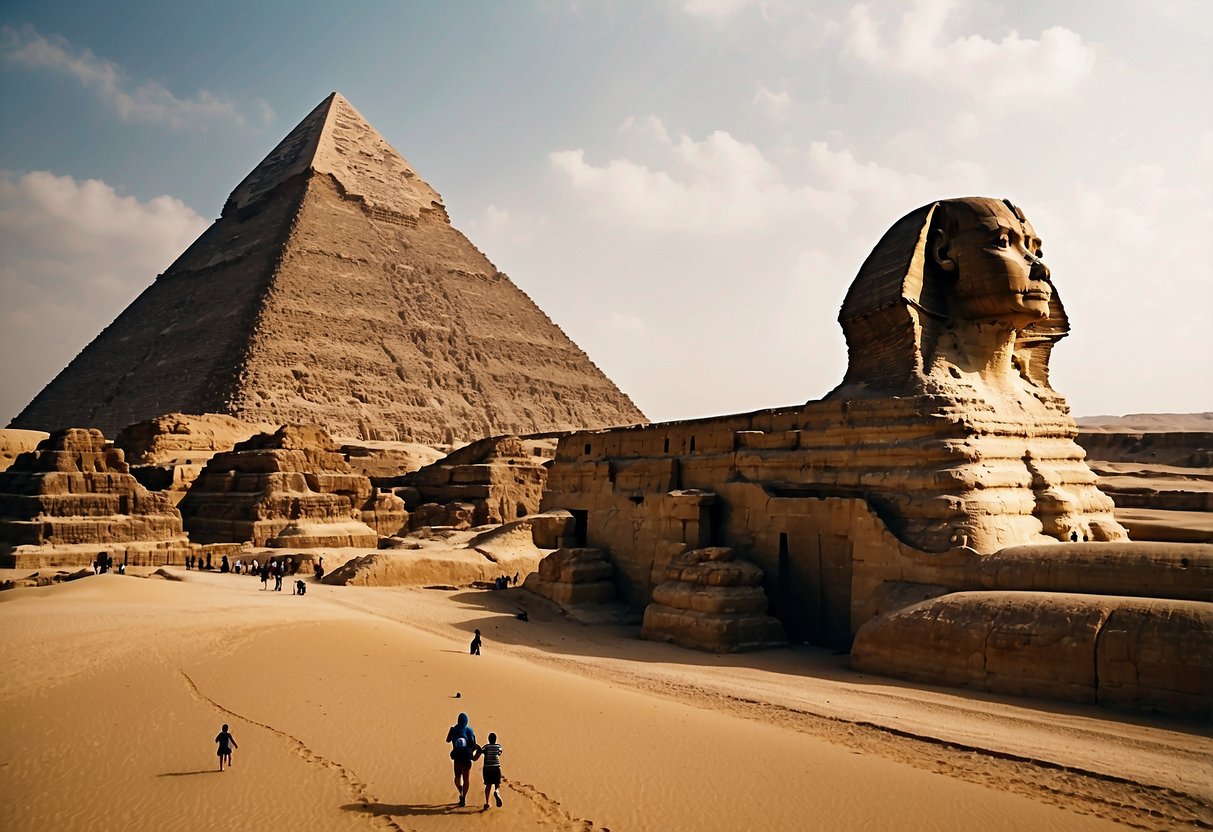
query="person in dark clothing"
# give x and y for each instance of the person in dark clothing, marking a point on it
(463, 745)
(264, 575)
(475, 647)
(226, 743)
(279, 568)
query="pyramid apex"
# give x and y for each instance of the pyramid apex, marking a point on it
(335, 139)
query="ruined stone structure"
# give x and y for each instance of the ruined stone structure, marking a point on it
(572, 577)
(168, 453)
(333, 290)
(944, 446)
(711, 601)
(288, 489)
(492, 480)
(74, 497)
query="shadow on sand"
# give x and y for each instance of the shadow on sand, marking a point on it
(407, 809)
(188, 773)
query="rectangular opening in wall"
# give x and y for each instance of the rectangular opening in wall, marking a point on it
(587, 448)
(666, 447)
(581, 523)
(692, 444)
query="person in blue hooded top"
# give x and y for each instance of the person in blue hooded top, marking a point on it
(463, 745)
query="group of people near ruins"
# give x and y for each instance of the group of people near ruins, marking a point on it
(465, 751)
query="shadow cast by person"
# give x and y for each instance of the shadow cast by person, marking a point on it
(406, 809)
(188, 773)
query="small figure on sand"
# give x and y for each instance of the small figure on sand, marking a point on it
(265, 574)
(279, 568)
(319, 569)
(463, 745)
(475, 647)
(300, 588)
(492, 769)
(226, 743)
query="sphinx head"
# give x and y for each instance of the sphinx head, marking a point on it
(989, 262)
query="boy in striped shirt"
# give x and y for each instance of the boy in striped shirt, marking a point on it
(492, 769)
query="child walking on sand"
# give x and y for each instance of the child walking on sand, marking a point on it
(226, 743)
(492, 769)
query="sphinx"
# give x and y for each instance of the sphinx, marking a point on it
(952, 320)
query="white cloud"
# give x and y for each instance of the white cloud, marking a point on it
(774, 104)
(147, 101)
(1013, 71)
(1129, 261)
(715, 10)
(721, 185)
(73, 254)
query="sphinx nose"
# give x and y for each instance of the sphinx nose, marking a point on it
(1040, 271)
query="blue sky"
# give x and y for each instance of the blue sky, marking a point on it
(686, 187)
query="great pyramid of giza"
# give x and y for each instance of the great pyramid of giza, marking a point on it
(333, 290)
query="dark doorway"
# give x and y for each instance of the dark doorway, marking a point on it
(581, 523)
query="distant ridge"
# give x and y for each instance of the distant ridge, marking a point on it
(1157, 422)
(333, 290)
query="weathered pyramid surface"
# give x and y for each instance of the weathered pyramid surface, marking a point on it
(73, 497)
(333, 290)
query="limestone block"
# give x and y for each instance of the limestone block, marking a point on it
(711, 601)
(553, 529)
(573, 577)
(1144, 653)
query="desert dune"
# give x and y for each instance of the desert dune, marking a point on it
(115, 686)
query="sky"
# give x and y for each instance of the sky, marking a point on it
(686, 187)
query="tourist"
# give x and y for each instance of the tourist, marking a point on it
(265, 575)
(279, 568)
(224, 566)
(319, 570)
(463, 745)
(475, 647)
(492, 769)
(208, 561)
(226, 743)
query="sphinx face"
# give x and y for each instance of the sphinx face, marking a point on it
(995, 258)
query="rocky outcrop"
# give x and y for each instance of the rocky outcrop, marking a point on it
(73, 498)
(1149, 654)
(288, 489)
(493, 480)
(333, 290)
(167, 453)
(711, 601)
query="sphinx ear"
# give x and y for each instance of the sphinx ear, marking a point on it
(938, 244)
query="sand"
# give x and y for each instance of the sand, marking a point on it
(115, 686)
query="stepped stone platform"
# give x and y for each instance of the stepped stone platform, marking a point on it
(74, 497)
(1158, 470)
(712, 601)
(492, 480)
(289, 489)
(579, 582)
(333, 290)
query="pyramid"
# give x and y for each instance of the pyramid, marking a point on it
(333, 290)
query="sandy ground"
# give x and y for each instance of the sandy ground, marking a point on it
(115, 686)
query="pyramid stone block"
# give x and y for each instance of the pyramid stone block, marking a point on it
(333, 290)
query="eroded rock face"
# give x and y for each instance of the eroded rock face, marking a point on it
(74, 497)
(15, 442)
(333, 290)
(1154, 654)
(288, 489)
(711, 601)
(493, 480)
(168, 453)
